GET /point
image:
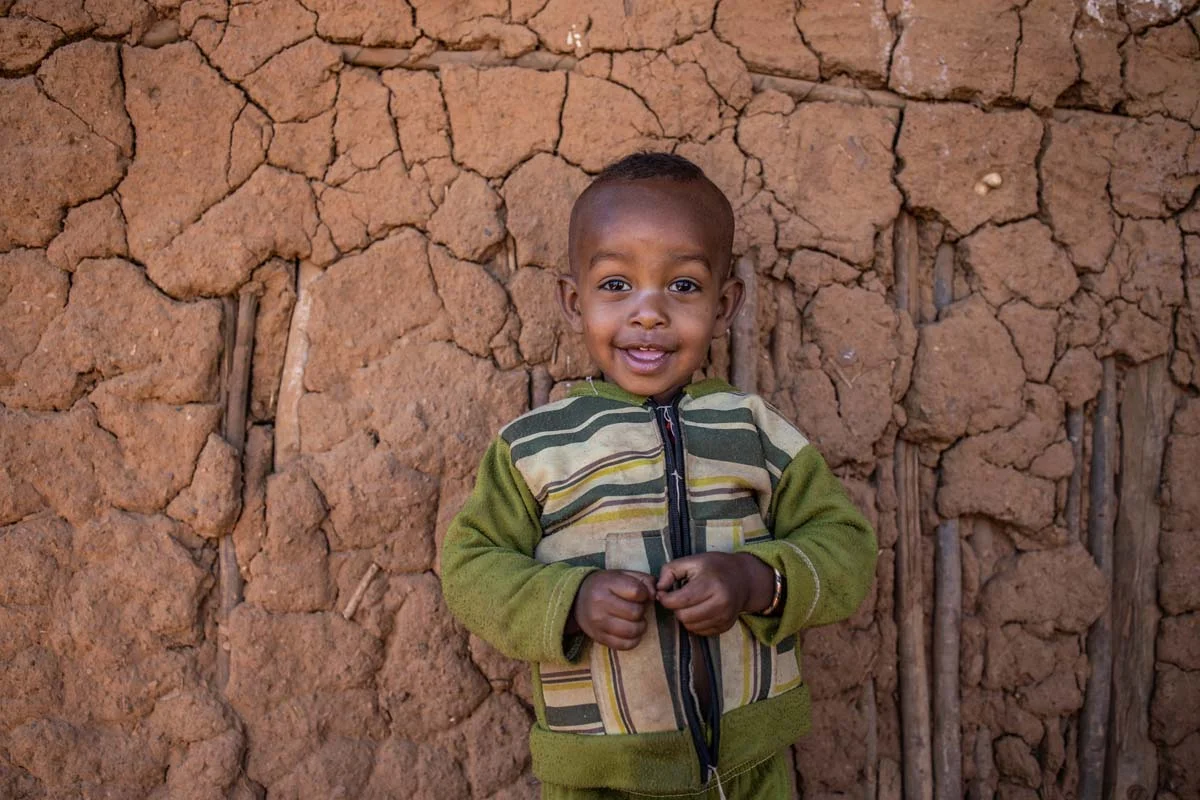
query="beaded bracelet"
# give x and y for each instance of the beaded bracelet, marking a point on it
(777, 597)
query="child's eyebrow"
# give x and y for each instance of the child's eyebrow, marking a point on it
(699, 255)
(606, 255)
(674, 258)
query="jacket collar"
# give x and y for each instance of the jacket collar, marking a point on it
(597, 386)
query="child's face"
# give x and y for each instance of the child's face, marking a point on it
(649, 287)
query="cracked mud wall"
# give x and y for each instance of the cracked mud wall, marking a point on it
(973, 241)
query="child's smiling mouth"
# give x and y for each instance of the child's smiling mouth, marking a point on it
(645, 359)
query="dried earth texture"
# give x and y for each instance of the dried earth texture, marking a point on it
(273, 273)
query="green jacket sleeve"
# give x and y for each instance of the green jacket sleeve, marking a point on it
(823, 546)
(490, 578)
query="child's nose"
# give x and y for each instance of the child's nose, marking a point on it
(650, 310)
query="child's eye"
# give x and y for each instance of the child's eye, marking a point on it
(614, 285)
(684, 285)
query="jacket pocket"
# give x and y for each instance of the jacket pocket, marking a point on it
(637, 691)
(568, 697)
(749, 670)
(615, 691)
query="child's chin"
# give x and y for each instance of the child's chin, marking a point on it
(658, 390)
(657, 379)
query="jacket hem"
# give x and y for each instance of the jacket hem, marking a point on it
(666, 763)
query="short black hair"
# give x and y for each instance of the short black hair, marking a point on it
(646, 165)
(649, 165)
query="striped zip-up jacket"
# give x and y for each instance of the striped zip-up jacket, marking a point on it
(584, 484)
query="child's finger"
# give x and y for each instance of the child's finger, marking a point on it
(703, 616)
(614, 643)
(646, 580)
(621, 635)
(674, 572)
(709, 627)
(688, 595)
(627, 586)
(624, 609)
(623, 628)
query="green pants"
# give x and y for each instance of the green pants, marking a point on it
(770, 780)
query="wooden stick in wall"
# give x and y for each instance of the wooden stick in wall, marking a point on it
(1145, 417)
(1093, 720)
(1074, 508)
(910, 622)
(943, 277)
(229, 312)
(510, 254)
(236, 399)
(541, 382)
(871, 712)
(910, 617)
(391, 57)
(947, 636)
(907, 250)
(410, 58)
(239, 376)
(291, 384)
(981, 787)
(744, 366)
(360, 590)
(810, 90)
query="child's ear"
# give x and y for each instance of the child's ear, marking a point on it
(568, 301)
(733, 294)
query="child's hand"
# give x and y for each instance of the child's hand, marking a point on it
(714, 588)
(611, 607)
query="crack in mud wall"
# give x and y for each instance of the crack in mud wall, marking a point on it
(973, 240)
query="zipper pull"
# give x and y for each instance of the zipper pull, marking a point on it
(668, 422)
(713, 774)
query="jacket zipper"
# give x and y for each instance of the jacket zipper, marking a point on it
(679, 527)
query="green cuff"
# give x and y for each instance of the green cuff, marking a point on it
(562, 600)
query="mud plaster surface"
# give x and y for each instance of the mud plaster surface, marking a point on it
(400, 213)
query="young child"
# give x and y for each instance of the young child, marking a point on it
(652, 544)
